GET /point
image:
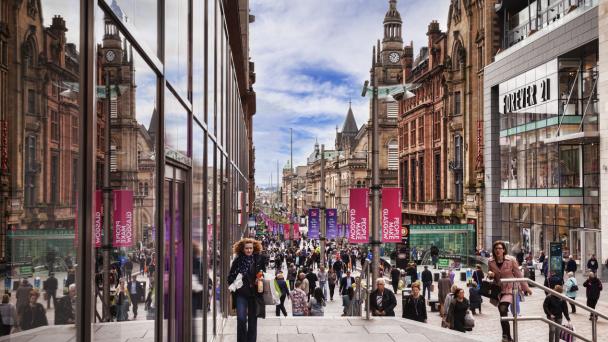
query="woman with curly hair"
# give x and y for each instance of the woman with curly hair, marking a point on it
(248, 263)
(502, 266)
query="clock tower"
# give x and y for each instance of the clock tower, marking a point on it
(388, 68)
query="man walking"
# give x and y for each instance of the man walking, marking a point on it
(395, 276)
(50, 286)
(427, 281)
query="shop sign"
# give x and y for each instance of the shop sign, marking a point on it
(439, 227)
(443, 263)
(530, 95)
(4, 143)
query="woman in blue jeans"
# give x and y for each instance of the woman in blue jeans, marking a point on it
(247, 263)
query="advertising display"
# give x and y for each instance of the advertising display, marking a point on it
(123, 218)
(359, 216)
(313, 223)
(331, 223)
(391, 215)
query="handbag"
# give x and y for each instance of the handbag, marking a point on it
(490, 290)
(469, 321)
(432, 287)
(574, 288)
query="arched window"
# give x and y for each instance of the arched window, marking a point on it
(458, 56)
(393, 155)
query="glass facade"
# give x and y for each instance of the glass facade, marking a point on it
(124, 166)
(549, 150)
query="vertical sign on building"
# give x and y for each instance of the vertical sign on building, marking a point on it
(340, 227)
(123, 218)
(359, 216)
(296, 231)
(313, 223)
(98, 217)
(346, 231)
(331, 223)
(286, 231)
(391, 215)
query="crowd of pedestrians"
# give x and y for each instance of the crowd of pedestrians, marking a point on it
(310, 284)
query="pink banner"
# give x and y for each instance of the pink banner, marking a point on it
(391, 215)
(271, 227)
(123, 218)
(296, 231)
(359, 216)
(286, 231)
(98, 217)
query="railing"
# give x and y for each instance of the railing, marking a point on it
(594, 314)
(365, 274)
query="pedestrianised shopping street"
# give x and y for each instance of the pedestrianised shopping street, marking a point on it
(275, 170)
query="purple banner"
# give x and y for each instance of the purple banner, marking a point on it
(340, 230)
(347, 230)
(331, 223)
(313, 223)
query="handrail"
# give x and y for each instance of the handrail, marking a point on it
(548, 321)
(594, 314)
(569, 300)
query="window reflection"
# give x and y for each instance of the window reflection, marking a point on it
(126, 197)
(39, 116)
(176, 44)
(142, 14)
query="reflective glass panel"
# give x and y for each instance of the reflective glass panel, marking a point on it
(127, 196)
(39, 166)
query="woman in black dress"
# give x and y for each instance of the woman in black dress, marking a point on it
(33, 315)
(458, 309)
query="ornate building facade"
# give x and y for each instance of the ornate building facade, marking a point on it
(422, 126)
(472, 41)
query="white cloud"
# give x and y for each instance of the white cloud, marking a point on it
(312, 57)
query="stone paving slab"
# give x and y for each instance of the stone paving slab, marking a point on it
(352, 338)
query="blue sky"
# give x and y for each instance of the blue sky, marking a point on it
(312, 57)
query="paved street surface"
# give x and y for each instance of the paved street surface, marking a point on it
(333, 327)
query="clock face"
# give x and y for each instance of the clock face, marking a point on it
(110, 55)
(393, 57)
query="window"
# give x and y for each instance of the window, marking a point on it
(413, 133)
(146, 188)
(437, 176)
(421, 176)
(405, 181)
(113, 158)
(436, 125)
(75, 130)
(421, 130)
(54, 179)
(31, 101)
(457, 103)
(31, 169)
(458, 182)
(54, 125)
(74, 181)
(393, 155)
(413, 179)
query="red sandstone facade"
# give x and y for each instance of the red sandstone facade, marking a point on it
(422, 133)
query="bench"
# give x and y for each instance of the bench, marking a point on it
(433, 303)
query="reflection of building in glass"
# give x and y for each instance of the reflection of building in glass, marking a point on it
(543, 139)
(132, 157)
(40, 149)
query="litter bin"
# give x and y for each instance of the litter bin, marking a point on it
(463, 276)
(435, 277)
(532, 273)
(404, 296)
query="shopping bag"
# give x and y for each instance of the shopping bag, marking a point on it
(566, 336)
(267, 294)
(469, 321)
(432, 287)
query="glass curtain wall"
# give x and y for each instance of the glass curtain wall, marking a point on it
(40, 159)
(164, 139)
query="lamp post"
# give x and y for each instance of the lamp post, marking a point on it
(322, 206)
(404, 91)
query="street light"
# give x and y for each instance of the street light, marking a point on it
(389, 92)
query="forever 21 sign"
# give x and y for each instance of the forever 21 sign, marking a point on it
(527, 96)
